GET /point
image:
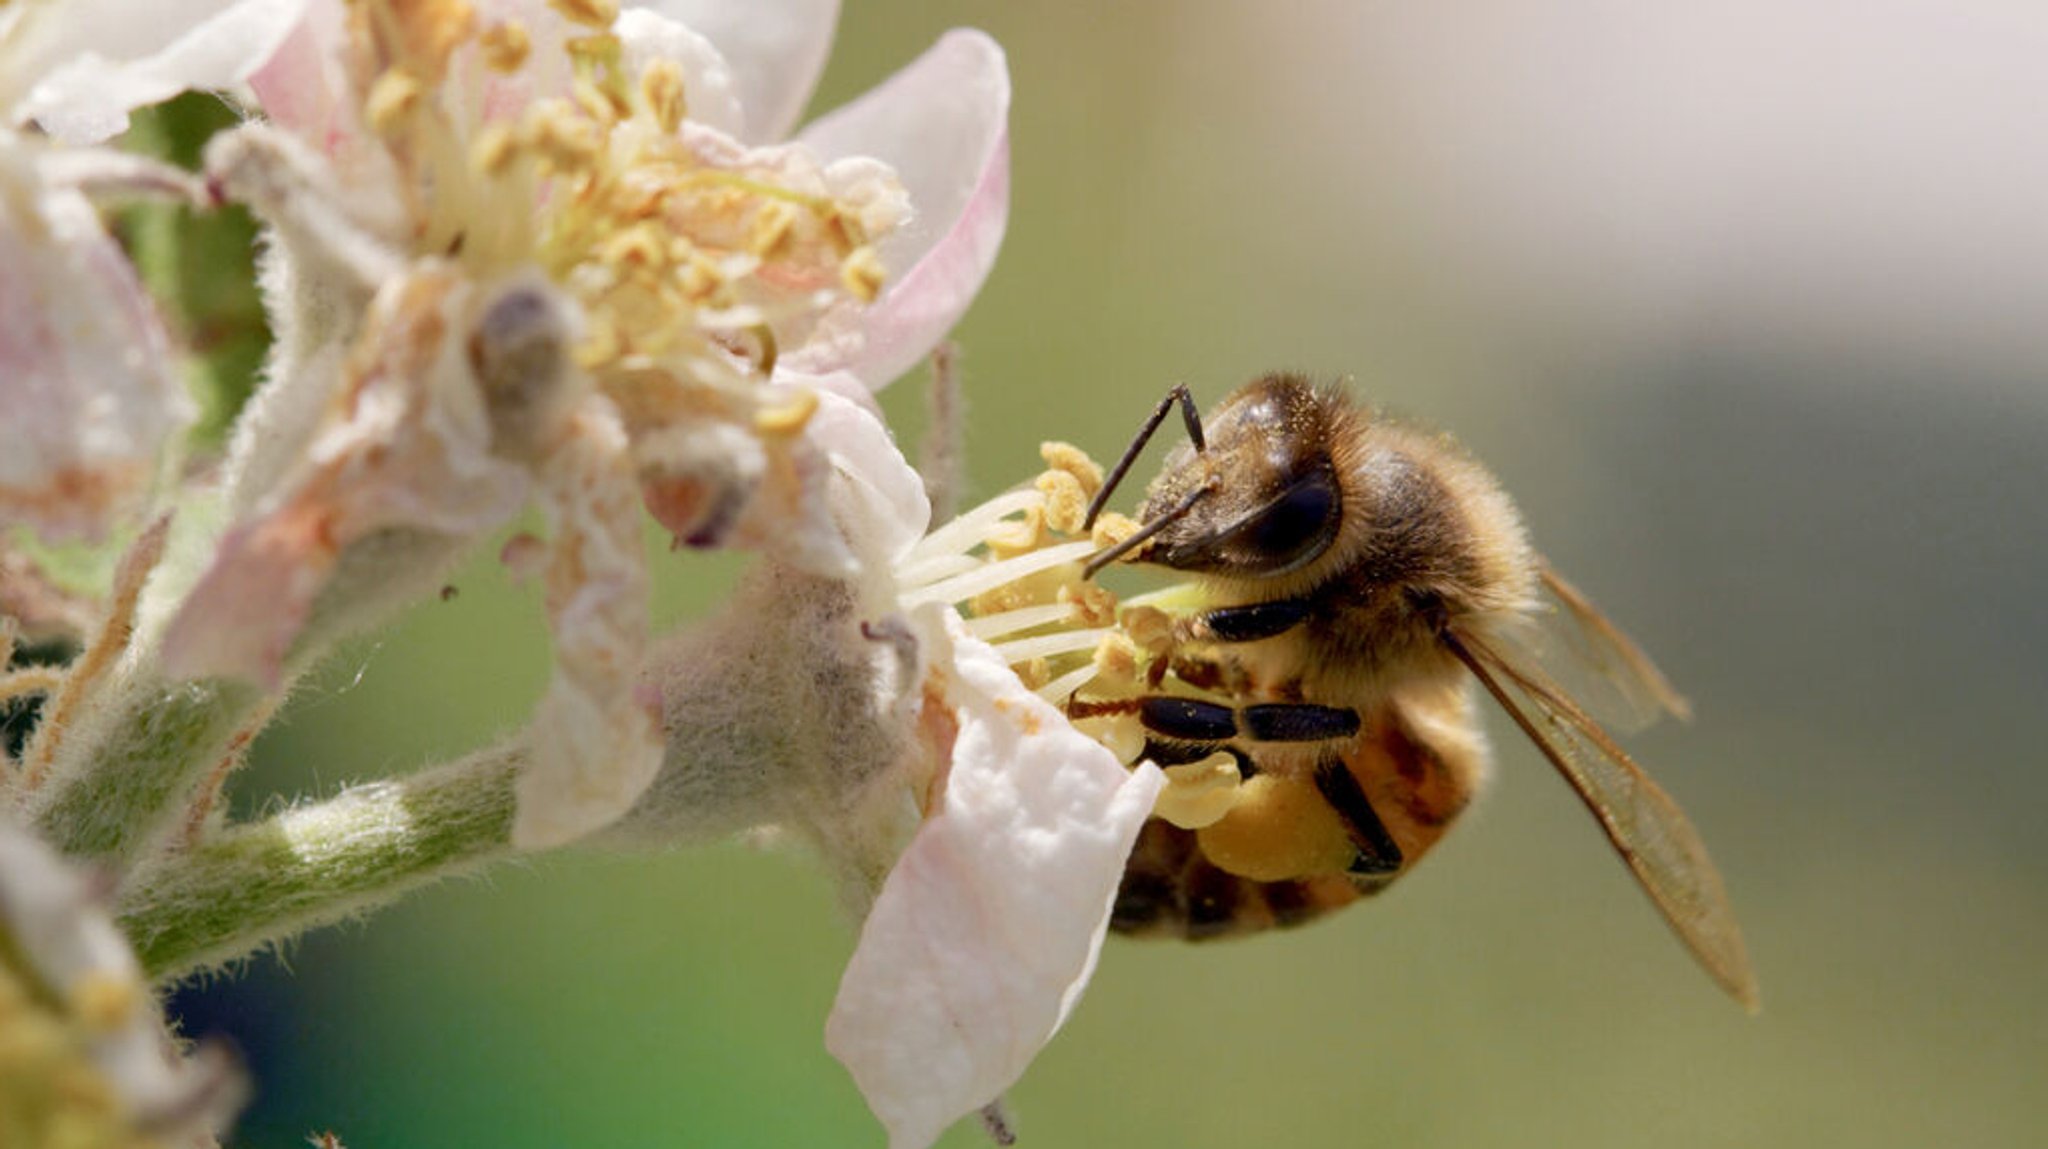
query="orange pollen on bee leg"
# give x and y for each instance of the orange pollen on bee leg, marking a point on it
(1279, 828)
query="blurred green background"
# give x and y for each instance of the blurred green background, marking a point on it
(1745, 303)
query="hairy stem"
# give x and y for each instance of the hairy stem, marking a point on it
(114, 782)
(258, 884)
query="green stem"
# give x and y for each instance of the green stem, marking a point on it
(115, 780)
(258, 884)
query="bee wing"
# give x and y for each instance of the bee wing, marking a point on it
(1646, 826)
(1602, 668)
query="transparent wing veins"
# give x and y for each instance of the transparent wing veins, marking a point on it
(1645, 825)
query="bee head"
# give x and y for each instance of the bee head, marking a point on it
(1262, 498)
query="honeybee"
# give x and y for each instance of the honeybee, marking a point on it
(1356, 577)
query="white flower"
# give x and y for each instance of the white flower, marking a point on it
(86, 377)
(82, 1046)
(979, 833)
(513, 268)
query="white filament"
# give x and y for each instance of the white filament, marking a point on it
(990, 627)
(1048, 645)
(963, 587)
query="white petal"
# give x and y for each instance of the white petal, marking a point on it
(988, 928)
(708, 81)
(776, 49)
(84, 376)
(943, 124)
(889, 502)
(304, 86)
(412, 449)
(96, 60)
(596, 744)
(66, 940)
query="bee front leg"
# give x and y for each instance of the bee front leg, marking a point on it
(1248, 623)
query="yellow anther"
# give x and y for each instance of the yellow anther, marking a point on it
(494, 150)
(638, 246)
(600, 104)
(788, 419)
(594, 52)
(1094, 604)
(769, 231)
(1066, 503)
(1074, 461)
(1112, 528)
(1033, 674)
(1199, 794)
(589, 13)
(1118, 661)
(862, 274)
(700, 279)
(1012, 537)
(505, 46)
(661, 93)
(103, 1002)
(566, 140)
(392, 97)
(1148, 626)
(1122, 734)
(427, 32)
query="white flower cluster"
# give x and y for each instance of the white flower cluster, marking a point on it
(566, 256)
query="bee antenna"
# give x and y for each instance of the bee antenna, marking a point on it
(1115, 551)
(1193, 418)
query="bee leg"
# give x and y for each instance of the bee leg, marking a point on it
(1250, 623)
(1187, 719)
(1298, 722)
(1378, 853)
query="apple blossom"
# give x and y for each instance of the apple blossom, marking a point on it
(564, 257)
(599, 287)
(84, 1056)
(85, 373)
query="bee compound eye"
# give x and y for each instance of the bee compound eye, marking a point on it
(1298, 525)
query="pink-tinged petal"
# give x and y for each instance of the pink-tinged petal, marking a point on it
(888, 509)
(943, 124)
(776, 48)
(409, 445)
(596, 740)
(85, 379)
(987, 929)
(305, 85)
(97, 60)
